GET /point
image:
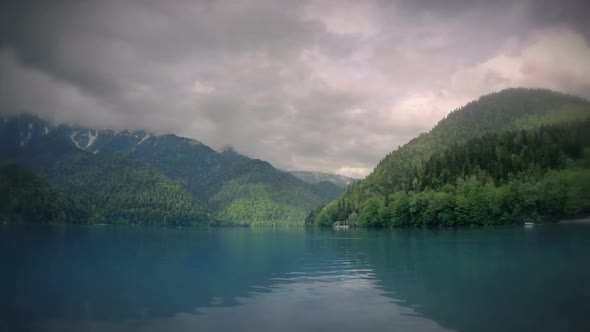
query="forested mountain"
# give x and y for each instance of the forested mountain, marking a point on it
(120, 189)
(502, 138)
(510, 156)
(138, 177)
(317, 177)
(24, 196)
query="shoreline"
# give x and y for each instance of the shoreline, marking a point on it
(583, 220)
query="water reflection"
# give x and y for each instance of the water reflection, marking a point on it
(505, 278)
(144, 279)
(294, 307)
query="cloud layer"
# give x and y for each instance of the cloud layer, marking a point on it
(315, 85)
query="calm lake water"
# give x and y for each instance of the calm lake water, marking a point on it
(105, 278)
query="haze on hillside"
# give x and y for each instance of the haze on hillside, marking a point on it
(324, 86)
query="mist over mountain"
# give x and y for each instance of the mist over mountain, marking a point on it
(317, 177)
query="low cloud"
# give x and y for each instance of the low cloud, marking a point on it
(330, 86)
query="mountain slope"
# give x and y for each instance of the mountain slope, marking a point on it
(506, 110)
(121, 189)
(511, 109)
(205, 174)
(249, 195)
(24, 196)
(317, 177)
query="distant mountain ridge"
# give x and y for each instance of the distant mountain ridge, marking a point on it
(259, 192)
(317, 177)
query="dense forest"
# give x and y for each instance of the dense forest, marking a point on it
(112, 190)
(513, 156)
(140, 178)
(24, 196)
(518, 155)
(119, 189)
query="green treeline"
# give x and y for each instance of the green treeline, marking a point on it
(265, 196)
(499, 156)
(24, 196)
(516, 155)
(115, 189)
(507, 110)
(132, 177)
(536, 175)
(557, 195)
(120, 189)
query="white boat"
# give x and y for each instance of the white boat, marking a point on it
(341, 225)
(528, 224)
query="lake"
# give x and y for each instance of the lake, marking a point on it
(107, 278)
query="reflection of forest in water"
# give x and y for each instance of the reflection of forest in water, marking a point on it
(122, 273)
(464, 279)
(488, 279)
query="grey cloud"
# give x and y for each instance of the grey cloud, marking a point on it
(328, 85)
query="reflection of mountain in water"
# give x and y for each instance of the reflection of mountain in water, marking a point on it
(105, 278)
(113, 273)
(465, 280)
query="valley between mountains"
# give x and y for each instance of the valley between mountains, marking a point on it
(508, 157)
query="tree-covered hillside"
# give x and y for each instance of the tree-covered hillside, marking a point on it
(531, 141)
(269, 195)
(26, 197)
(421, 165)
(138, 177)
(121, 189)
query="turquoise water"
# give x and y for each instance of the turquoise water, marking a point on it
(105, 278)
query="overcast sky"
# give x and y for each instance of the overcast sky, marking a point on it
(312, 85)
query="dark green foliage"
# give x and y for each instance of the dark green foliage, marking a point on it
(371, 215)
(238, 190)
(135, 177)
(120, 189)
(497, 145)
(557, 195)
(88, 189)
(499, 157)
(496, 179)
(505, 158)
(26, 197)
(264, 194)
(511, 109)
